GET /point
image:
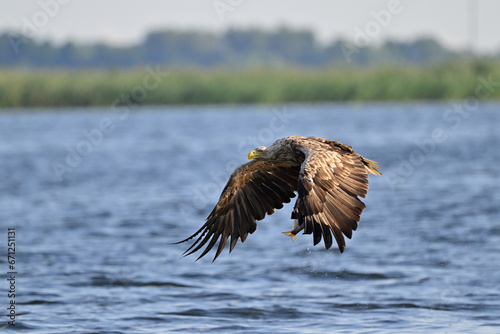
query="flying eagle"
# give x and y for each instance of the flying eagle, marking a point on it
(327, 175)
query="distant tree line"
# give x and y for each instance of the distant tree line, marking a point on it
(234, 47)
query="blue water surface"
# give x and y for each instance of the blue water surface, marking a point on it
(98, 197)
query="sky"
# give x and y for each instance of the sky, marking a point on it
(458, 24)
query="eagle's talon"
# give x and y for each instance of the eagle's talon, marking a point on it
(290, 234)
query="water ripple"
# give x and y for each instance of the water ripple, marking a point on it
(95, 253)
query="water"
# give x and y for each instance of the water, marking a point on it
(94, 250)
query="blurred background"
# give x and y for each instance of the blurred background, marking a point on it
(72, 54)
(120, 123)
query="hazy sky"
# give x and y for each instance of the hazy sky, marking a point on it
(127, 21)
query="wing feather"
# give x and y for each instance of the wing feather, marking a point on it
(327, 234)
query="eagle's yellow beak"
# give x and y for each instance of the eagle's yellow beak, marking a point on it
(254, 154)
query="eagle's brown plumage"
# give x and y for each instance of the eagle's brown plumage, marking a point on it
(327, 175)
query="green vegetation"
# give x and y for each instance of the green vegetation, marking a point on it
(277, 85)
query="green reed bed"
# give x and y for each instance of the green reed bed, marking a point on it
(43, 88)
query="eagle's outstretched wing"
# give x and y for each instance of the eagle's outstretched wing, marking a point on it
(331, 178)
(254, 189)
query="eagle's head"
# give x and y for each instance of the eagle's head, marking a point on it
(257, 153)
(279, 151)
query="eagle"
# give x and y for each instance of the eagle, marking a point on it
(327, 176)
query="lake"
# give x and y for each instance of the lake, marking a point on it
(97, 197)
